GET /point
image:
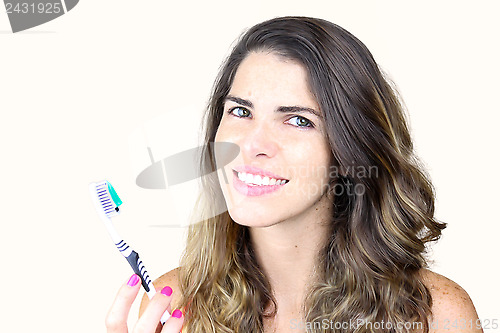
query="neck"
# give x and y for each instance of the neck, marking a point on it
(288, 253)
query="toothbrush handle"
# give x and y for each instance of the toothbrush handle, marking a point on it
(139, 269)
(137, 265)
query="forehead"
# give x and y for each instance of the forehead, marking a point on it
(264, 75)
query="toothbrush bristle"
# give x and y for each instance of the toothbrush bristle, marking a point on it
(109, 206)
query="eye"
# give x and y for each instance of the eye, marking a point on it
(302, 122)
(297, 121)
(240, 112)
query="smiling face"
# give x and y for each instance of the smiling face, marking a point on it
(281, 173)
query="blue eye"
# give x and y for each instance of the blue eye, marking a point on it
(242, 113)
(302, 122)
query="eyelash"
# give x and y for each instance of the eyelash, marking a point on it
(230, 112)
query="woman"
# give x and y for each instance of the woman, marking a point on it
(328, 211)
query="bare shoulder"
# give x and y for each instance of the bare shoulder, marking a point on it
(170, 279)
(452, 308)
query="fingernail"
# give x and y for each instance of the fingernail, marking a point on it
(177, 314)
(167, 291)
(134, 279)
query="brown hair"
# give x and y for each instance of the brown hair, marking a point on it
(369, 268)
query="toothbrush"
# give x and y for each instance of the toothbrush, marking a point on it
(106, 202)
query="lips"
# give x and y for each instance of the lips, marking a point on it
(253, 190)
(258, 180)
(257, 171)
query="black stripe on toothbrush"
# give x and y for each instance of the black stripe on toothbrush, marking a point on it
(122, 247)
(133, 260)
(123, 250)
(145, 274)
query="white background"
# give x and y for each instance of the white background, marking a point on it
(75, 91)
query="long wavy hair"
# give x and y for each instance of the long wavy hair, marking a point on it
(369, 269)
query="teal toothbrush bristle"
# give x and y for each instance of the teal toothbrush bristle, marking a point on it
(108, 198)
(116, 199)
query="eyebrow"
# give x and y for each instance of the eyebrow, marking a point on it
(284, 109)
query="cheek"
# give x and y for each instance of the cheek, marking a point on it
(313, 150)
(224, 132)
(311, 161)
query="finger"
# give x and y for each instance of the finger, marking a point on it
(166, 290)
(156, 307)
(116, 320)
(174, 323)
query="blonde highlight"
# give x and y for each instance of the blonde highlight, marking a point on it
(370, 268)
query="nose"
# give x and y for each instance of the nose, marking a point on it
(259, 140)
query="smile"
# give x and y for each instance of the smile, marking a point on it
(256, 185)
(259, 180)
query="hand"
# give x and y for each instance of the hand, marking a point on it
(149, 322)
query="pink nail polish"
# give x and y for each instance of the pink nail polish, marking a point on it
(177, 314)
(167, 291)
(134, 279)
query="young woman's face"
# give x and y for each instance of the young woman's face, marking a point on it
(281, 172)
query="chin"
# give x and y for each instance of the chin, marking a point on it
(248, 219)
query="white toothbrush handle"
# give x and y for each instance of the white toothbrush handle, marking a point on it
(135, 262)
(129, 254)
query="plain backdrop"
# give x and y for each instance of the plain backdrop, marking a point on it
(81, 98)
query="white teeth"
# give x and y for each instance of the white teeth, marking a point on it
(249, 178)
(259, 180)
(241, 176)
